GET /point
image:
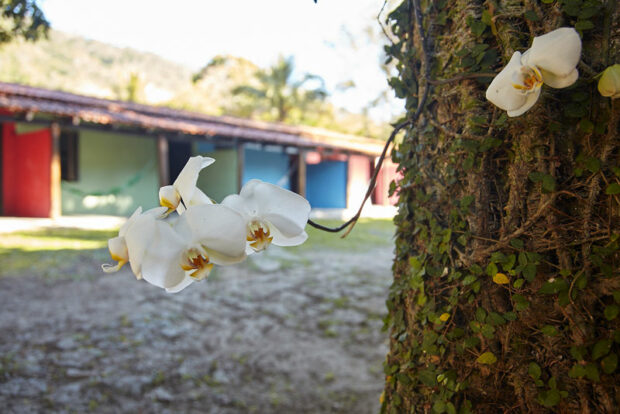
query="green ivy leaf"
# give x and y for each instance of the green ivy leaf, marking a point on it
(549, 398)
(584, 25)
(534, 370)
(612, 189)
(529, 272)
(548, 183)
(495, 319)
(520, 302)
(517, 243)
(593, 164)
(486, 17)
(549, 330)
(601, 348)
(488, 331)
(471, 342)
(468, 280)
(487, 358)
(611, 312)
(428, 377)
(551, 288)
(536, 176)
(531, 15)
(577, 371)
(609, 363)
(439, 407)
(592, 372)
(577, 352)
(518, 283)
(586, 125)
(510, 316)
(477, 27)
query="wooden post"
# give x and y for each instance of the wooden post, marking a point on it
(163, 161)
(240, 165)
(301, 173)
(55, 174)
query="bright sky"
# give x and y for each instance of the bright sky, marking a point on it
(327, 38)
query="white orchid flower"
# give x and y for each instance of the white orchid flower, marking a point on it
(174, 254)
(552, 60)
(118, 245)
(271, 214)
(184, 187)
(609, 83)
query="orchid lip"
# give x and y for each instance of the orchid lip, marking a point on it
(527, 79)
(259, 236)
(197, 263)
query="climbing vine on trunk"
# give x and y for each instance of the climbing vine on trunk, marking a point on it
(506, 289)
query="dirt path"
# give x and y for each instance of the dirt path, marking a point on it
(282, 333)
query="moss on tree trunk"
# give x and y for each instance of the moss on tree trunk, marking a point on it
(484, 198)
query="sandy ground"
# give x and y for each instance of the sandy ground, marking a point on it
(281, 333)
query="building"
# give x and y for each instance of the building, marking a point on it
(64, 154)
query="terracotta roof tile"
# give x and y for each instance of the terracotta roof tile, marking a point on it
(22, 98)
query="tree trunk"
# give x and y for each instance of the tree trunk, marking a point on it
(484, 198)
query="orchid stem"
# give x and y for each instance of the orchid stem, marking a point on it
(373, 181)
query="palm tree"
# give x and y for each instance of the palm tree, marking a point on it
(277, 94)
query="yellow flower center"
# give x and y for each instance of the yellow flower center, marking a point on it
(259, 236)
(527, 79)
(198, 262)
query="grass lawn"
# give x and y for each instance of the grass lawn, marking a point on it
(54, 252)
(70, 252)
(366, 234)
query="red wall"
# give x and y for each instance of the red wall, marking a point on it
(386, 176)
(26, 167)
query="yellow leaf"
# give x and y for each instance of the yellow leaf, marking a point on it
(487, 358)
(444, 317)
(501, 279)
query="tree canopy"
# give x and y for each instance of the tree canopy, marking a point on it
(22, 18)
(278, 94)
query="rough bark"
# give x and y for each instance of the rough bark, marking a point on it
(527, 197)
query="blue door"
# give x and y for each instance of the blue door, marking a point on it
(269, 166)
(326, 184)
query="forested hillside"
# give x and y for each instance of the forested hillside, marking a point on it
(74, 64)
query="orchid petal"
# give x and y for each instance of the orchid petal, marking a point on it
(199, 198)
(138, 238)
(161, 264)
(530, 100)
(125, 226)
(185, 183)
(181, 285)
(219, 230)
(118, 248)
(285, 209)
(559, 82)
(246, 207)
(279, 239)
(557, 52)
(501, 91)
(108, 268)
(169, 197)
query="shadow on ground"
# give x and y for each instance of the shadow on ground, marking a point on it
(295, 330)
